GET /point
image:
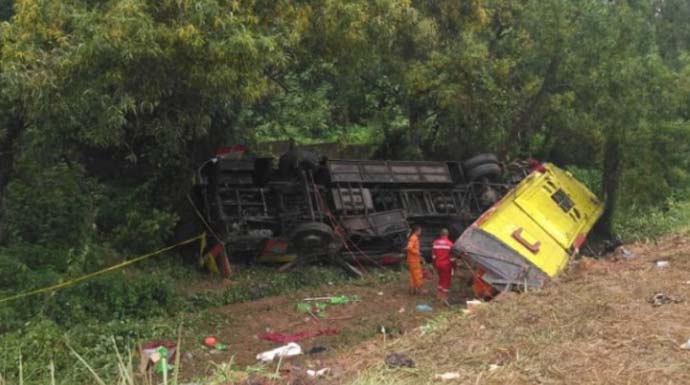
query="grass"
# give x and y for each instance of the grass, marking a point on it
(90, 350)
(644, 225)
(595, 326)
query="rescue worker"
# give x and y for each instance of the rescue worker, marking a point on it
(414, 261)
(440, 252)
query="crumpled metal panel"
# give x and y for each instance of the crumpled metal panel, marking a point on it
(503, 267)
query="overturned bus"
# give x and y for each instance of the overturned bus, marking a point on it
(528, 236)
(308, 207)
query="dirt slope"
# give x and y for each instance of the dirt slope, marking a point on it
(595, 326)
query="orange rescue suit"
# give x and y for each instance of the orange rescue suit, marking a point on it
(414, 262)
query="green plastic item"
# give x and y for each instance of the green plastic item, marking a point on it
(343, 299)
(221, 347)
(162, 365)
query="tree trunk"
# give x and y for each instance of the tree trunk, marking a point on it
(610, 183)
(525, 120)
(7, 157)
(415, 134)
(7, 153)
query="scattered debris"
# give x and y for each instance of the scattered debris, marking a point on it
(397, 360)
(286, 338)
(151, 353)
(424, 307)
(335, 300)
(493, 367)
(289, 350)
(662, 263)
(315, 310)
(473, 305)
(317, 349)
(318, 373)
(389, 330)
(210, 342)
(447, 376)
(659, 299)
(627, 254)
(380, 293)
(160, 358)
(685, 345)
(402, 310)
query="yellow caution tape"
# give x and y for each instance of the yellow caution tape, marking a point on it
(71, 282)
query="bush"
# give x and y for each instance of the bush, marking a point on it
(130, 221)
(115, 296)
(49, 206)
(634, 223)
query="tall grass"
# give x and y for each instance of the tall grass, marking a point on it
(635, 224)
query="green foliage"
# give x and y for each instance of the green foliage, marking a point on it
(120, 295)
(106, 108)
(49, 206)
(132, 93)
(41, 341)
(642, 224)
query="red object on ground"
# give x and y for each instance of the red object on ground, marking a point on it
(210, 342)
(287, 338)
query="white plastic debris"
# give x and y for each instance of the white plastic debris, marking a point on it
(662, 263)
(686, 345)
(318, 373)
(448, 376)
(289, 350)
(472, 305)
(627, 254)
(493, 367)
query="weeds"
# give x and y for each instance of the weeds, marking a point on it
(636, 224)
(104, 346)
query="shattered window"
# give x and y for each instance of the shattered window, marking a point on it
(563, 200)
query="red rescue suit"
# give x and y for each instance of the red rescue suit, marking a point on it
(444, 267)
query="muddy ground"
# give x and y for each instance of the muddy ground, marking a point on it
(238, 325)
(596, 324)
